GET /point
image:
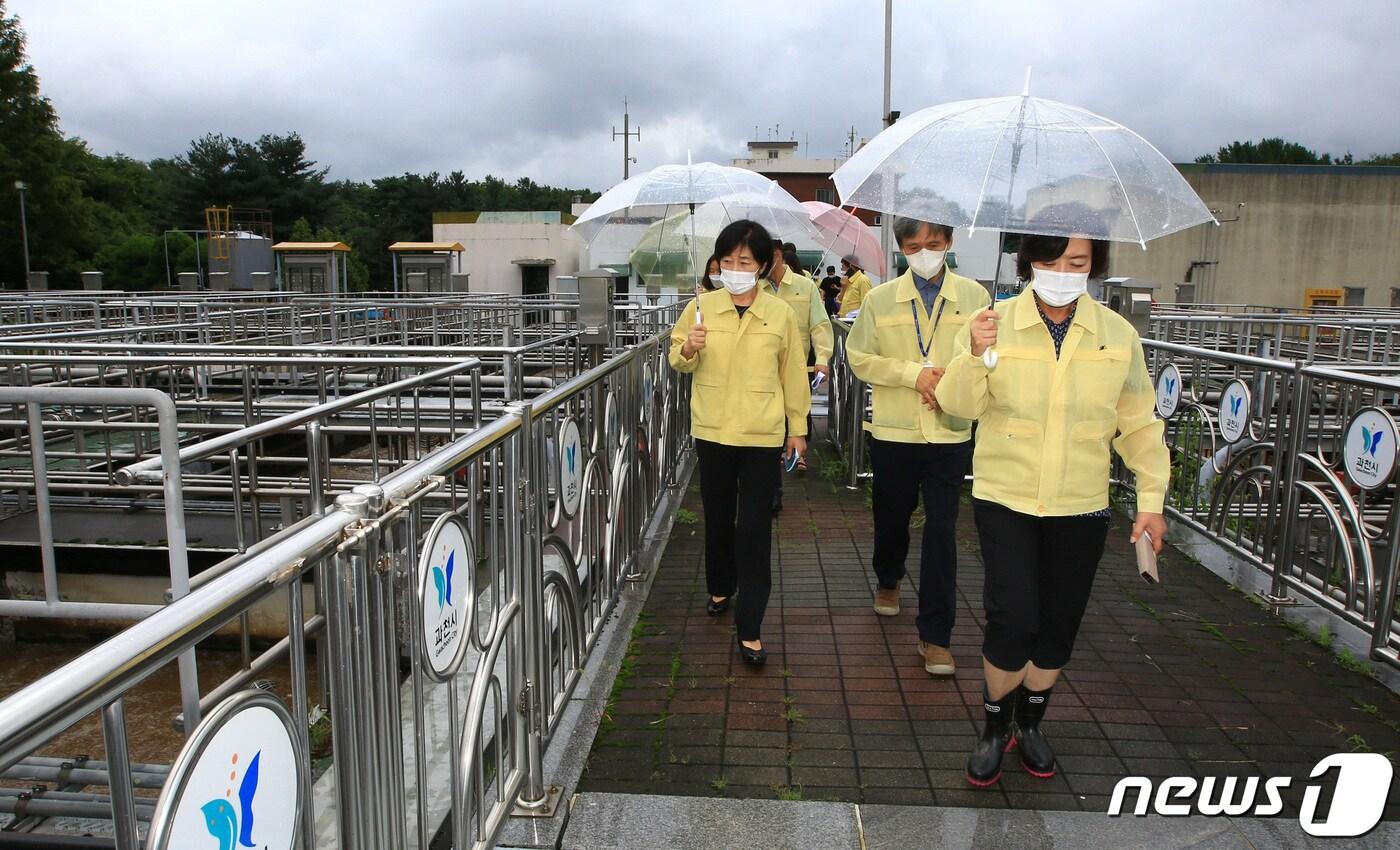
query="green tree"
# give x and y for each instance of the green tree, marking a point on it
(1266, 151)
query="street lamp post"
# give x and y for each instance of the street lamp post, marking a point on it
(23, 230)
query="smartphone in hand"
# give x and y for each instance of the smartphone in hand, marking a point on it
(1147, 559)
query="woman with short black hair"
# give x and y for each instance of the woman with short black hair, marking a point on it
(744, 349)
(1070, 379)
(711, 280)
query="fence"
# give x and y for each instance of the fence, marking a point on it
(550, 497)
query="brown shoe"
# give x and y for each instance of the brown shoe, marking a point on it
(938, 661)
(887, 601)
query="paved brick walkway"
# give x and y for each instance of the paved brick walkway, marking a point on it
(1187, 678)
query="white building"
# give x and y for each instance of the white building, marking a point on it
(515, 253)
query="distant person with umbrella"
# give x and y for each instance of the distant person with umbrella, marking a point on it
(749, 366)
(900, 344)
(1069, 376)
(813, 323)
(855, 285)
(831, 290)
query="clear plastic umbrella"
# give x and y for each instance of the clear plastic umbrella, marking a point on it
(1022, 164)
(683, 208)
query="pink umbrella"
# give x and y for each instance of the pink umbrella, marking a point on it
(843, 234)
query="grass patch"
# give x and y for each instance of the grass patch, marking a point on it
(788, 792)
(685, 516)
(786, 673)
(1374, 711)
(1354, 664)
(719, 785)
(794, 715)
(625, 673)
(1214, 631)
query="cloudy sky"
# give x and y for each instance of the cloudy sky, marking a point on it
(524, 88)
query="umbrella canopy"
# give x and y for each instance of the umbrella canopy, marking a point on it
(843, 234)
(683, 208)
(667, 189)
(1022, 164)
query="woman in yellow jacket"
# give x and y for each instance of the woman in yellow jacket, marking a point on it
(749, 362)
(1069, 375)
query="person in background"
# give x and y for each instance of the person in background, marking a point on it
(748, 363)
(831, 290)
(711, 280)
(1070, 380)
(813, 323)
(901, 340)
(855, 285)
(790, 256)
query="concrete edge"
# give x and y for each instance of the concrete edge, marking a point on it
(578, 726)
(608, 821)
(1254, 582)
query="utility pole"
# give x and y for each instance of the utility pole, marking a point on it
(626, 134)
(23, 230)
(886, 219)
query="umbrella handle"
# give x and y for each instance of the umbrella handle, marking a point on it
(989, 358)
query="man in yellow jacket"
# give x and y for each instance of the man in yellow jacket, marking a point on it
(900, 343)
(854, 289)
(813, 325)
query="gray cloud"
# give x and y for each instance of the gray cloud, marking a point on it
(534, 88)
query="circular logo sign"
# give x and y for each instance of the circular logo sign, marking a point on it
(1370, 448)
(1168, 391)
(445, 595)
(236, 783)
(570, 467)
(1234, 411)
(648, 387)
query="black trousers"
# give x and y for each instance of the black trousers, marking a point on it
(1039, 571)
(902, 471)
(736, 486)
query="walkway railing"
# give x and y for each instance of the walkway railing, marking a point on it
(550, 501)
(1259, 452)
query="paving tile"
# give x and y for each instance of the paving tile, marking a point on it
(1144, 695)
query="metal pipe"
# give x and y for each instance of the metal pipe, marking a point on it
(53, 703)
(123, 793)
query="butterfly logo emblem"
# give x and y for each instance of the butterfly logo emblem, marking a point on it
(1235, 405)
(221, 820)
(571, 455)
(442, 579)
(1171, 386)
(1370, 441)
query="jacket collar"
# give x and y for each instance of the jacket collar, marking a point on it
(905, 289)
(759, 307)
(1025, 314)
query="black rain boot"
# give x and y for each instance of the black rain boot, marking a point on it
(984, 765)
(1036, 756)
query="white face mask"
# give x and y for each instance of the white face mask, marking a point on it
(926, 263)
(1059, 289)
(716, 280)
(738, 282)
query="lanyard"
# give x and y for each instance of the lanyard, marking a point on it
(925, 349)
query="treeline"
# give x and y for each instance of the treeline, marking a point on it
(112, 213)
(1276, 151)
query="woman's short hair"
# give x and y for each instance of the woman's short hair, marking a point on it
(742, 233)
(1048, 249)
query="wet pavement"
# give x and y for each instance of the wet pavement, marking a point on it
(1187, 678)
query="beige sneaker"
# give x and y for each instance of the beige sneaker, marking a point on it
(887, 601)
(938, 661)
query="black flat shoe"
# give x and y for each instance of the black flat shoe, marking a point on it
(714, 608)
(755, 657)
